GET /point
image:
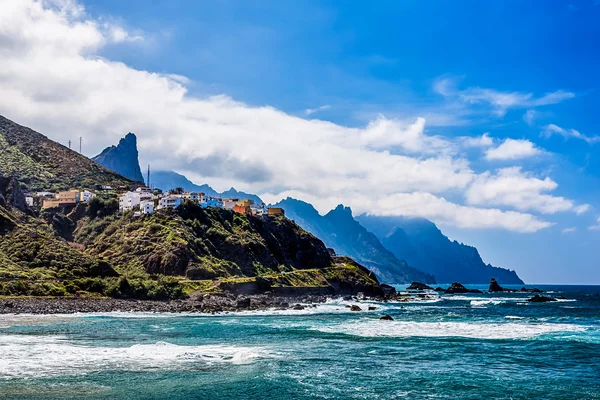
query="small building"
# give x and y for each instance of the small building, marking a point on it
(137, 214)
(48, 195)
(147, 207)
(229, 203)
(171, 201)
(86, 196)
(192, 196)
(211, 202)
(258, 210)
(241, 209)
(276, 211)
(51, 203)
(128, 201)
(143, 189)
(69, 197)
(29, 201)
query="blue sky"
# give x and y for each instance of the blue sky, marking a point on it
(522, 70)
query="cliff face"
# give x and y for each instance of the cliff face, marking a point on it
(203, 243)
(423, 245)
(340, 231)
(122, 158)
(42, 164)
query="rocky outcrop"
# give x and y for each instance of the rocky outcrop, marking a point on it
(419, 286)
(495, 287)
(10, 190)
(541, 299)
(386, 318)
(457, 288)
(122, 158)
(532, 290)
(354, 307)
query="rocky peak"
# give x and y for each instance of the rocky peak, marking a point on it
(122, 158)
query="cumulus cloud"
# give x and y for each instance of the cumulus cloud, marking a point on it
(520, 190)
(513, 149)
(551, 129)
(568, 230)
(53, 80)
(500, 101)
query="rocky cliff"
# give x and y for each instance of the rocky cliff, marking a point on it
(122, 158)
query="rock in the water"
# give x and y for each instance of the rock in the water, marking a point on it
(419, 286)
(459, 288)
(540, 299)
(298, 307)
(354, 307)
(386, 318)
(439, 289)
(372, 308)
(495, 287)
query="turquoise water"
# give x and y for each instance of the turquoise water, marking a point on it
(493, 346)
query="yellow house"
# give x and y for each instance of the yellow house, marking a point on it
(276, 211)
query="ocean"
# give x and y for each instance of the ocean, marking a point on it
(474, 346)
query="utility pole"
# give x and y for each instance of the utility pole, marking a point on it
(80, 139)
(148, 180)
(69, 144)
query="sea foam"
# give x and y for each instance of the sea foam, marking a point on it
(41, 356)
(509, 330)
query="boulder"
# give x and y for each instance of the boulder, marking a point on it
(386, 318)
(354, 307)
(372, 308)
(456, 288)
(387, 289)
(298, 307)
(439, 289)
(243, 302)
(419, 286)
(540, 299)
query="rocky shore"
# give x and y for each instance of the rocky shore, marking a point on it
(207, 303)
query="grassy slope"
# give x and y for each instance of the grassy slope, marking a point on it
(42, 164)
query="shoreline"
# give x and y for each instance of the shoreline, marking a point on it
(205, 304)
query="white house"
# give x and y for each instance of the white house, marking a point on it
(86, 196)
(29, 201)
(128, 201)
(259, 209)
(147, 207)
(170, 201)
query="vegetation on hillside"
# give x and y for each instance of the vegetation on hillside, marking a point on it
(42, 164)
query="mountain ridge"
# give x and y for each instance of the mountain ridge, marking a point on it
(122, 158)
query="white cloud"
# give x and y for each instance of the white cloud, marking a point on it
(529, 117)
(568, 230)
(582, 209)
(515, 188)
(513, 149)
(119, 35)
(310, 111)
(53, 80)
(552, 129)
(478, 141)
(500, 101)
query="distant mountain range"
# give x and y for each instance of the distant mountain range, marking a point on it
(340, 231)
(166, 180)
(122, 158)
(423, 245)
(397, 249)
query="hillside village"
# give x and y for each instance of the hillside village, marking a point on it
(144, 200)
